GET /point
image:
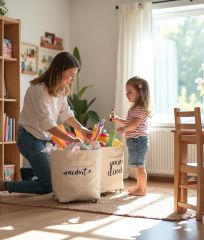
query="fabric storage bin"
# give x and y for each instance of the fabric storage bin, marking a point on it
(112, 167)
(76, 175)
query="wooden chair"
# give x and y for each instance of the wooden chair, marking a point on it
(188, 133)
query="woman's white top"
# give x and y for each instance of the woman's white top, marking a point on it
(41, 111)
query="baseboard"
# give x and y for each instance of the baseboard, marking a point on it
(167, 179)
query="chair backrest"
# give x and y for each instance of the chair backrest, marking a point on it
(188, 122)
(190, 132)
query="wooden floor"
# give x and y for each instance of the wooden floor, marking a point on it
(34, 223)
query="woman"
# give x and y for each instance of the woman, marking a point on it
(45, 101)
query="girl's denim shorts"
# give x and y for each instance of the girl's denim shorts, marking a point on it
(137, 149)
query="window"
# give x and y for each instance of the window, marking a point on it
(178, 59)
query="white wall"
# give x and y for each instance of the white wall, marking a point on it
(94, 31)
(91, 25)
(37, 17)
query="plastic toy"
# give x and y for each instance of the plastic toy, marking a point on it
(117, 143)
(79, 135)
(112, 114)
(60, 142)
(104, 136)
(97, 130)
(112, 134)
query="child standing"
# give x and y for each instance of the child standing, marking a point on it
(135, 128)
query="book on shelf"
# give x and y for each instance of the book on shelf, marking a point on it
(14, 130)
(9, 128)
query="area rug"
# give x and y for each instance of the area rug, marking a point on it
(157, 204)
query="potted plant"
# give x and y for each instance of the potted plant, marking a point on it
(3, 9)
(80, 105)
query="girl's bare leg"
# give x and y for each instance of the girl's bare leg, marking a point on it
(132, 189)
(140, 188)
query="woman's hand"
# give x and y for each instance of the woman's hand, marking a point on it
(77, 140)
(87, 134)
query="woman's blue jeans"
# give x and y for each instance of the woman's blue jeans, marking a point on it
(30, 147)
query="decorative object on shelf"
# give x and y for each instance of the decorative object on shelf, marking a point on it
(29, 59)
(7, 48)
(45, 58)
(3, 9)
(79, 105)
(9, 172)
(51, 41)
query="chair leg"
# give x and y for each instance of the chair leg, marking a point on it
(176, 172)
(182, 192)
(200, 198)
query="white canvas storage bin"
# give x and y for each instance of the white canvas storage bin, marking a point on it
(76, 175)
(112, 167)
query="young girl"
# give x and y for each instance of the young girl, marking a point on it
(135, 127)
(45, 101)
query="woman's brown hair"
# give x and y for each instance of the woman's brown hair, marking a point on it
(52, 78)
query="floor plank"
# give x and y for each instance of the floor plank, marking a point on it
(31, 223)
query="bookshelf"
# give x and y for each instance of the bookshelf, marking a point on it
(9, 92)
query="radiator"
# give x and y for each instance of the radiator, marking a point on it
(160, 160)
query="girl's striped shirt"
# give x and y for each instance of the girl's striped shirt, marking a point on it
(142, 129)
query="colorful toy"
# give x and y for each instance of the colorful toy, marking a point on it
(112, 134)
(112, 114)
(117, 143)
(97, 130)
(60, 142)
(79, 135)
(103, 136)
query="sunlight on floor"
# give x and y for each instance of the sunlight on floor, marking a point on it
(101, 229)
(33, 235)
(118, 229)
(7, 228)
(183, 226)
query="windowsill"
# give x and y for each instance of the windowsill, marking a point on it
(161, 125)
(167, 125)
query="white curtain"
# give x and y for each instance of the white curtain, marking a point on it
(134, 53)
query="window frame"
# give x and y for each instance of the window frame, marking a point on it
(165, 11)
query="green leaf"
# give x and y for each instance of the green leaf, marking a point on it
(93, 116)
(81, 92)
(83, 118)
(91, 102)
(70, 101)
(76, 54)
(80, 106)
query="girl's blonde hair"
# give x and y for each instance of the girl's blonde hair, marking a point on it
(52, 78)
(142, 86)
